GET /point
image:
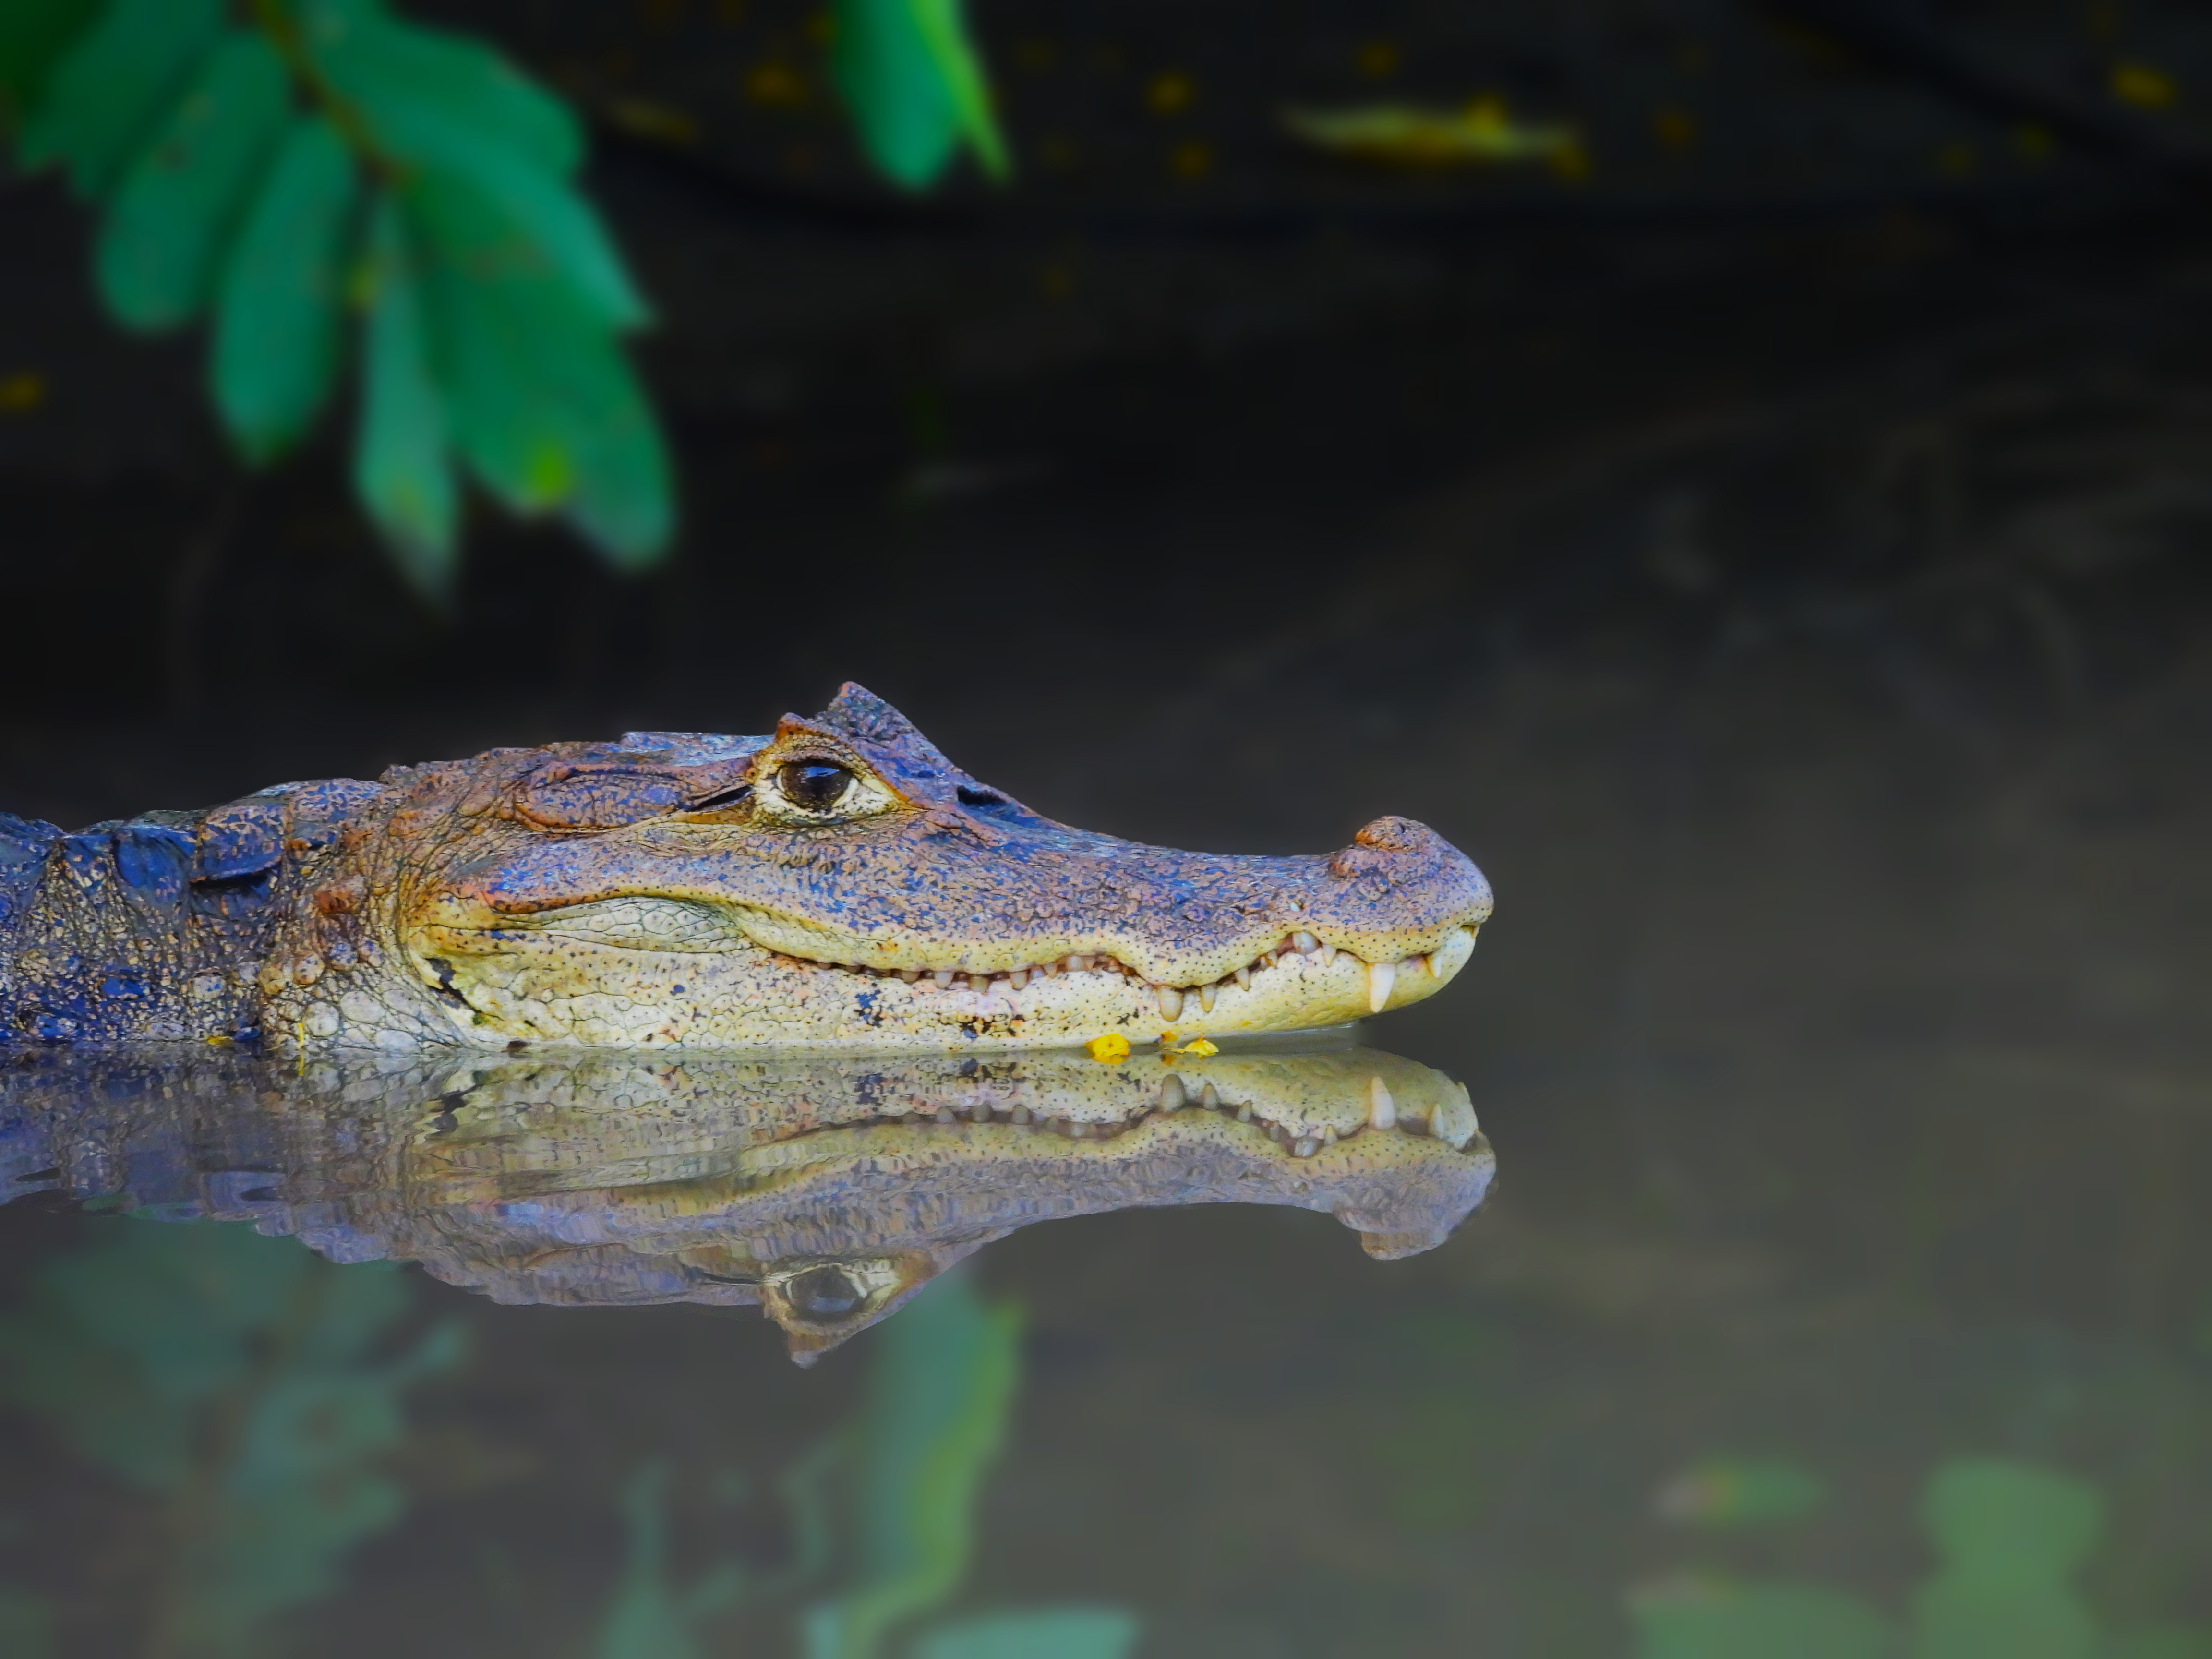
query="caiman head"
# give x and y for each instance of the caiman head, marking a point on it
(842, 883)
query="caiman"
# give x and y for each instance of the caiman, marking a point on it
(839, 885)
(824, 1189)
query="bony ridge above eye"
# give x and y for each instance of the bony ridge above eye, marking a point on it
(815, 785)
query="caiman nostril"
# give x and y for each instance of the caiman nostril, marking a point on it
(1395, 834)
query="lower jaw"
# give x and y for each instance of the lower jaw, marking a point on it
(752, 998)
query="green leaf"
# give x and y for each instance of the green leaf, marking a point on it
(34, 34)
(440, 105)
(164, 234)
(1045, 1633)
(2010, 1537)
(280, 309)
(401, 468)
(1759, 1621)
(911, 74)
(545, 408)
(102, 100)
(939, 1394)
(409, 79)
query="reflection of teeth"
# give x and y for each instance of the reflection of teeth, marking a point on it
(1171, 1094)
(1381, 976)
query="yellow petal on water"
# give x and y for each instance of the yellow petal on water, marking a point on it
(1108, 1048)
(1199, 1047)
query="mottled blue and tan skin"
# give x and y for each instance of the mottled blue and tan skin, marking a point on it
(840, 885)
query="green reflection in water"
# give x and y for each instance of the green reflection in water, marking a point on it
(891, 1498)
(235, 1378)
(2008, 1538)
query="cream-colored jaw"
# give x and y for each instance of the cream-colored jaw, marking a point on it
(661, 972)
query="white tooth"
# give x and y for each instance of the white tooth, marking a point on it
(1244, 1112)
(1078, 1131)
(1306, 942)
(909, 974)
(1171, 1096)
(1170, 1002)
(945, 977)
(1048, 969)
(1382, 1110)
(1328, 1137)
(1075, 964)
(1327, 953)
(1021, 1115)
(1304, 1146)
(1205, 997)
(1381, 976)
(1017, 979)
(945, 1115)
(1209, 1098)
(1244, 977)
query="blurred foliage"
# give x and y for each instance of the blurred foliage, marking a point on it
(25, 1627)
(1730, 1492)
(649, 1617)
(2008, 1538)
(298, 172)
(234, 1377)
(890, 1497)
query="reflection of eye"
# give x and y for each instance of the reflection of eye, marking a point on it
(816, 785)
(823, 1293)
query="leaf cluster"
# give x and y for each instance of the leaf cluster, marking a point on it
(235, 1377)
(321, 179)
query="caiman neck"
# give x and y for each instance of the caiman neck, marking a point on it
(162, 928)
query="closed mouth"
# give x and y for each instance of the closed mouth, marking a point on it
(1382, 977)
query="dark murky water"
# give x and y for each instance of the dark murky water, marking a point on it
(1834, 734)
(1843, 1290)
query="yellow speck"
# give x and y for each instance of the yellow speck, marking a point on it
(1190, 161)
(2142, 85)
(1056, 152)
(1378, 58)
(2032, 140)
(1957, 160)
(1108, 1048)
(1692, 56)
(822, 27)
(1675, 128)
(219, 1042)
(1059, 281)
(774, 83)
(1037, 56)
(651, 120)
(1571, 161)
(730, 13)
(1170, 93)
(1199, 1047)
(22, 394)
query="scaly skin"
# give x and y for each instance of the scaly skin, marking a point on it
(826, 1190)
(838, 885)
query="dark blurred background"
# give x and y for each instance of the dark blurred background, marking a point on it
(1774, 550)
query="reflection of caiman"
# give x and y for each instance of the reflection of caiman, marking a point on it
(828, 1189)
(840, 885)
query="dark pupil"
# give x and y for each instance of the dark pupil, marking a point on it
(822, 1293)
(815, 783)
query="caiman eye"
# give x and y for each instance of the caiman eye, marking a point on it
(823, 1293)
(816, 785)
